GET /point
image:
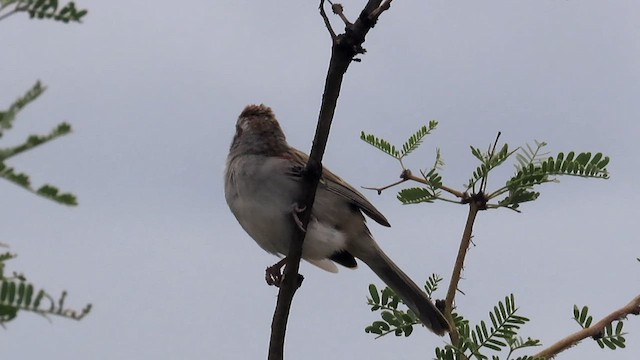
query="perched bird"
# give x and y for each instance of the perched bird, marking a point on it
(263, 181)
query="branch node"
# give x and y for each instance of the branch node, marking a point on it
(375, 14)
(339, 10)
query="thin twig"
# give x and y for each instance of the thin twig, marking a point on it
(15, 10)
(4, 16)
(327, 23)
(408, 175)
(381, 189)
(342, 53)
(492, 151)
(339, 10)
(632, 308)
(422, 180)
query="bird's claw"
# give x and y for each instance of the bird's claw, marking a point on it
(295, 210)
(275, 276)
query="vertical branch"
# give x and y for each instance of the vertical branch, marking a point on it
(312, 173)
(457, 270)
(344, 48)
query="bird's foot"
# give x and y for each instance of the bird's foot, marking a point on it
(295, 211)
(275, 276)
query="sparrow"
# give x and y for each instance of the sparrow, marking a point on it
(263, 179)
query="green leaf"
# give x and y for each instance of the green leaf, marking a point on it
(416, 139)
(17, 295)
(618, 342)
(416, 195)
(431, 285)
(46, 191)
(583, 314)
(378, 327)
(7, 117)
(35, 140)
(49, 9)
(380, 144)
(389, 317)
(409, 146)
(373, 291)
(408, 330)
(489, 161)
(501, 334)
(54, 194)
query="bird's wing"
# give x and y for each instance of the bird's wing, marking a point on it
(336, 185)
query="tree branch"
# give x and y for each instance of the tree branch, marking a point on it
(15, 10)
(409, 176)
(457, 271)
(632, 308)
(327, 23)
(339, 10)
(375, 14)
(344, 48)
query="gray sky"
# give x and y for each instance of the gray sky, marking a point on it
(153, 93)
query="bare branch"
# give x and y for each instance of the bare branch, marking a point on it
(492, 151)
(9, 13)
(632, 308)
(457, 271)
(408, 175)
(375, 14)
(381, 189)
(339, 10)
(343, 50)
(327, 23)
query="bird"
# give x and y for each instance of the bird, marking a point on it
(262, 182)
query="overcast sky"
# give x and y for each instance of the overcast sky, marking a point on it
(153, 90)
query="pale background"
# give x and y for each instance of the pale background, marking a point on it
(153, 90)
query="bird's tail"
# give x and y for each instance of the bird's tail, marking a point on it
(410, 293)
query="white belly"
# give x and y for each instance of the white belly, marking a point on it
(263, 205)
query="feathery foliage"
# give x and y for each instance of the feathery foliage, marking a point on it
(431, 192)
(43, 9)
(501, 335)
(489, 160)
(530, 173)
(431, 284)
(476, 341)
(16, 294)
(8, 116)
(409, 146)
(416, 195)
(21, 179)
(393, 320)
(611, 338)
(432, 178)
(533, 167)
